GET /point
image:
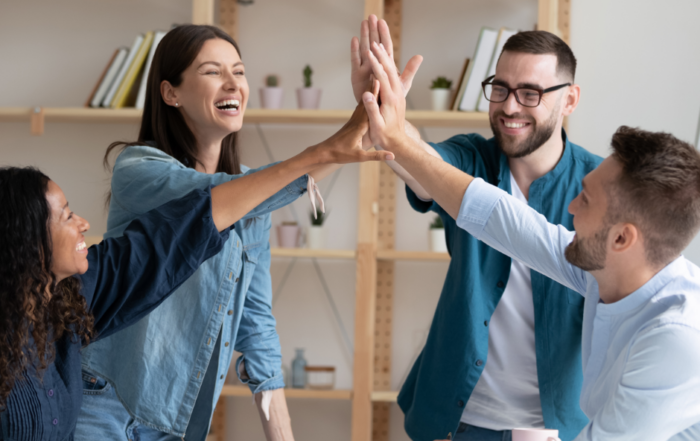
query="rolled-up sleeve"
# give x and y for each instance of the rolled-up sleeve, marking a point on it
(131, 275)
(518, 231)
(257, 337)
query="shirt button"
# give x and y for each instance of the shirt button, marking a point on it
(486, 322)
(51, 392)
(221, 377)
(479, 362)
(230, 312)
(226, 344)
(55, 421)
(500, 284)
(460, 403)
(237, 279)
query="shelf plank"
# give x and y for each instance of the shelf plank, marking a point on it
(334, 394)
(384, 396)
(412, 255)
(305, 252)
(267, 116)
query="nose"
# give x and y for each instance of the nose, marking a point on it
(511, 106)
(231, 82)
(573, 205)
(83, 224)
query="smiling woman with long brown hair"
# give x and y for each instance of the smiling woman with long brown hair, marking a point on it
(56, 295)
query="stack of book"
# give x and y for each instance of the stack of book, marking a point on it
(470, 96)
(123, 81)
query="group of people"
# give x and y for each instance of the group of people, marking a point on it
(594, 333)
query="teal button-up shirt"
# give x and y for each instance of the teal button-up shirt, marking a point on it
(447, 370)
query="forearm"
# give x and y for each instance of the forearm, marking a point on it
(233, 199)
(319, 173)
(279, 426)
(440, 181)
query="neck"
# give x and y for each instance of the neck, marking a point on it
(208, 156)
(620, 279)
(529, 168)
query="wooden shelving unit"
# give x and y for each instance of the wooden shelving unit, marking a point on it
(375, 255)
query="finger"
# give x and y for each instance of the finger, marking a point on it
(385, 37)
(409, 72)
(375, 156)
(389, 67)
(376, 120)
(373, 32)
(364, 39)
(379, 73)
(355, 58)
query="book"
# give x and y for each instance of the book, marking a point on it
(503, 36)
(121, 97)
(107, 101)
(459, 90)
(141, 97)
(478, 68)
(115, 66)
(102, 77)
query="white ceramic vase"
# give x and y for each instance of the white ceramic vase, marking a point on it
(441, 98)
(316, 237)
(288, 236)
(271, 97)
(308, 97)
(437, 241)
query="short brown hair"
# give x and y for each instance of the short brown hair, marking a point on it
(541, 43)
(658, 190)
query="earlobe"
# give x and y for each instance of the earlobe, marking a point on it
(168, 93)
(572, 99)
(625, 238)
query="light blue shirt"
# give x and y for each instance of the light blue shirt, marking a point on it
(641, 354)
(158, 365)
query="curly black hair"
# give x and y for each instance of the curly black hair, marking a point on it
(35, 311)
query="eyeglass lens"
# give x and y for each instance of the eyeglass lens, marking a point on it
(498, 94)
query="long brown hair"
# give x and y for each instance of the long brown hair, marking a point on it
(162, 126)
(30, 320)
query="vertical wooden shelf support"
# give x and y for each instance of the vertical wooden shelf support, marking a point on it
(37, 121)
(228, 17)
(203, 12)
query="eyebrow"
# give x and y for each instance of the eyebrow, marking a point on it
(215, 63)
(528, 85)
(64, 208)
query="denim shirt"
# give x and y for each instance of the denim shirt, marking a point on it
(443, 377)
(157, 366)
(127, 278)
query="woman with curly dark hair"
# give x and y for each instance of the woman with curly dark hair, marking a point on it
(56, 295)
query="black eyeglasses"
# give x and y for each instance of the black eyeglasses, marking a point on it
(525, 96)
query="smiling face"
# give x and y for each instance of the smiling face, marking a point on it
(214, 91)
(521, 130)
(67, 240)
(588, 250)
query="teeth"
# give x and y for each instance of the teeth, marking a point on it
(228, 103)
(511, 125)
(81, 246)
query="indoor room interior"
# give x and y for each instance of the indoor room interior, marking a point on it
(356, 294)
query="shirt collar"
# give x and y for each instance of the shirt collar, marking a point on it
(647, 291)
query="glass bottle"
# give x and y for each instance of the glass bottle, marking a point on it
(298, 371)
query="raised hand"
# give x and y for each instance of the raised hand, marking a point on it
(345, 146)
(374, 30)
(386, 122)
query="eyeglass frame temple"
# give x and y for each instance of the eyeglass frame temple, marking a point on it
(540, 91)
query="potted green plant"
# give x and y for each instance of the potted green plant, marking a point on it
(436, 238)
(441, 93)
(316, 235)
(308, 97)
(271, 95)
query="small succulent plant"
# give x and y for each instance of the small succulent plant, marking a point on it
(307, 76)
(436, 223)
(271, 81)
(320, 217)
(441, 83)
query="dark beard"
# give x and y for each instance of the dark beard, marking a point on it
(539, 136)
(588, 254)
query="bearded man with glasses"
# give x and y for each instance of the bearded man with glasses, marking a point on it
(504, 348)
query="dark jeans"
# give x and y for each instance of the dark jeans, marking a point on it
(472, 433)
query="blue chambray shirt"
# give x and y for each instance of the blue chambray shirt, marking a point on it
(443, 377)
(641, 354)
(157, 366)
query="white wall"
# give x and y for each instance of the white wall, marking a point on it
(637, 65)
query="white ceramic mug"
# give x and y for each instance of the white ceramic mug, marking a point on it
(535, 435)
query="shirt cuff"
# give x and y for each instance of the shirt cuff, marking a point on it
(477, 205)
(298, 186)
